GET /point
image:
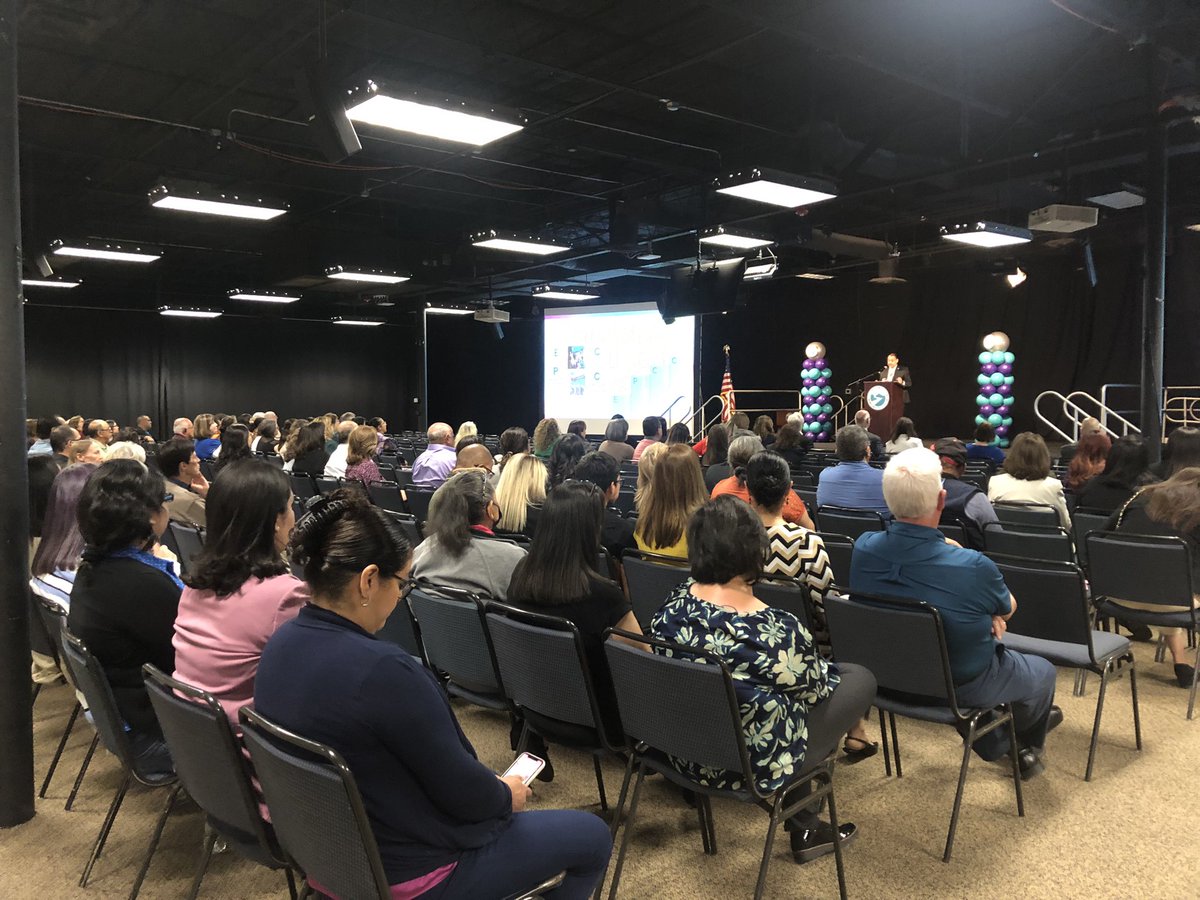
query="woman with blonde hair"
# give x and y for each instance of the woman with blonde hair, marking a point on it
(522, 484)
(85, 450)
(360, 463)
(465, 430)
(675, 491)
(545, 437)
(646, 471)
(207, 435)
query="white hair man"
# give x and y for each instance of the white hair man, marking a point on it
(183, 428)
(862, 419)
(431, 469)
(913, 559)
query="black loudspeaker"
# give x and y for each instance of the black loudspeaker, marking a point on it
(702, 290)
(333, 132)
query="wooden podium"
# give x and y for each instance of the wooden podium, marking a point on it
(884, 400)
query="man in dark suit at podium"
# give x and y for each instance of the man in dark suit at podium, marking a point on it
(893, 371)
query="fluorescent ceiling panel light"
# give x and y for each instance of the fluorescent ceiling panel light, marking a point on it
(262, 296)
(448, 121)
(339, 320)
(102, 250)
(373, 276)
(776, 188)
(815, 276)
(1195, 227)
(758, 270)
(446, 311)
(1016, 278)
(215, 202)
(189, 313)
(987, 234)
(511, 243)
(1122, 199)
(549, 292)
(49, 283)
(722, 237)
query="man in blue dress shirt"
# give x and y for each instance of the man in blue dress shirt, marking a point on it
(853, 483)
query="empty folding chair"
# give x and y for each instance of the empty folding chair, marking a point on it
(840, 550)
(418, 502)
(1084, 521)
(456, 643)
(386, 495)
(1013, 513)
(850, 522)
(326, 485)
(955, 532)
(408, 524)
(303, 486)
(1023, 541)
(190, 542)
(625, 501)
(650, 580)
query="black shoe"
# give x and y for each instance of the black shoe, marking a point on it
(1141, 633)
(812, 843)
(1054, 719)
(547, 773)
(1030, 763)
(1184, 675)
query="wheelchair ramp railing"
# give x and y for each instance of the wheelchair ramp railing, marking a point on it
(1071, 409)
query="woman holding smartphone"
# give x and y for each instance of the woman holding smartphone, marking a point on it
(446, 825)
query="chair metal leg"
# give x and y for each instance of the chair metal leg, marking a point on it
(1087, 776)
(633, 802)
(616, 822)
(1195, 674)
(83, 767)
(962, 782)
(600, 783)
(58, 753)
(883, 739)
(895, 744)
(1080, 682)
(837, 845)
(523, 740)
(1015, 762)
(113, 808)
(700, 814)
(712, 824)
(158, 830)
(210, 838)
(291, 881)
(1160, 649)
(1137, 716)
(768, 844)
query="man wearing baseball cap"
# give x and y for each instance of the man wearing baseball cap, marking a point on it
(966, 505)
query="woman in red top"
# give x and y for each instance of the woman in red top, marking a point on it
(740, 452)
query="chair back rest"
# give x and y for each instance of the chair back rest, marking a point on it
(542, 665)
(386, 495)
(1013, 540)
(408, 524)
(1141, 568)
(316, 810)
(1084, 521)
(418, 503)
(302, 486)
(650, 581)
(606, 565)
(454, 637)
(400, 628)
(625, 501)
(809, 496)
(682, 704)
(1051, 599)
(954, 532)
(900, 640)
(840, 550)
(54, 618)
(206, 754)
(850, 522)
(190, 542)
(1011, 512)
(93, 684)
(326, 485)
(788, 595)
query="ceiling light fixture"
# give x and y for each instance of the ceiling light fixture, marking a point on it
(1127, 196)
(435, 116)
(374, 276)
(734, 240)
(648, 254)
(816, 276)
(1016, 278)
(342, 320)
(1195, 227)
(514, 243)
(208, 200)
(986, 234)
(189, 312)
(49, 282)
(447, 311)
(762, 268)
(889, 271)
(262, 296)
(550, 292)
(106, 250)
(775, 187)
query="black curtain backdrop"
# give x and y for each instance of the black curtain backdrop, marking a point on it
(122, 364)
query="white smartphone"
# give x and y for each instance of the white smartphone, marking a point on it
(526, 767)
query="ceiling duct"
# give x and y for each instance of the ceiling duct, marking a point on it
(846, 245)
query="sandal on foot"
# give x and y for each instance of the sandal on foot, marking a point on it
(866, 749)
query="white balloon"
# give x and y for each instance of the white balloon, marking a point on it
(996, 341)
(815, 350)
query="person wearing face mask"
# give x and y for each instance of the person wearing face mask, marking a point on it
(126, 594)
(446, 826)
(461, 549)
(239, 588)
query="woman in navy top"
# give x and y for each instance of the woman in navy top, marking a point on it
(446, 825)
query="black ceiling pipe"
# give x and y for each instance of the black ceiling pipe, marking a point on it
(16, 711)
(1154, 286)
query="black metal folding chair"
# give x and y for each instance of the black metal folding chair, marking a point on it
(1029, 542)
(418, 501)
(1083, 522)
(455, 639)
(302, 486)
(386, 495)
(684, 706)
(190, 542)
(850, 522)
(650, 579)
(840, 550)
(401, 628)
(215, 774)
(1012, 512)
(904, 645)
(408, 524)
(326, 485)
(789, 595)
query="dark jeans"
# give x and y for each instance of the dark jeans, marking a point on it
(829, 721)
(1024, 682)
(536, 846)
(151, 756)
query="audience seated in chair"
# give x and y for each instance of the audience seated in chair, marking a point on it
(304, 452)
(512, 441)
(444, 823)
(1126, 470)
(904, 437)
(58, 554)
(1088, 461)
(521, 486)
(966, 504)
(566, 455)
(240, 588)
(853, 483)
(615, 442)
(675, 491)
(545, 437)
(616, 532)
(187, 486)
(862, 419)
(652, 433)
(362, 445)
(741, 451)
(475, 456)
(780, 676)
(792, 444)
(235, 445)
(913, 559)
(335, 467)
(1025, 477)
(431, 469)
(984, 445)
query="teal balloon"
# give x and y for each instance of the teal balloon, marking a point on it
(1003, 442)
(996, 399)
(985, 357)
(827, 409)
(1009, 358)
(826, 373)
(982, 379)
(981, 400)
(1006, 420)
(996, 379)
(979, 420)
(995, 419)
(826, 391)
(1008, 379)
(997, 357)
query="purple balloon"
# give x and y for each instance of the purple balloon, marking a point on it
(809, 417)
(1004, 389)
(986, 410)
(989, 368)
(808, 382)
(819, 363)
(821, 382)
(1002, 430)
(822, 417)
(808, 363)
(1004, 410)
(1005, 369)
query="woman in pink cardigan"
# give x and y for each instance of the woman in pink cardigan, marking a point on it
(240, 589)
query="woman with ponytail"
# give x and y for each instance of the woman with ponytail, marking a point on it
(740, 453)
(446, 826)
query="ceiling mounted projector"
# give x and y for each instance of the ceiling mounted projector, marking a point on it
(1063, 218)
(491, 316)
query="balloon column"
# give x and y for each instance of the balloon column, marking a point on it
(995, 400)
(815, 395)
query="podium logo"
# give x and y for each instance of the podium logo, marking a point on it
(878, 397)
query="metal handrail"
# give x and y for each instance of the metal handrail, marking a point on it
(1076, 413)
(1104, 389)
(1181, 410)
(705, 424)
(1104, 414)
(663, 414)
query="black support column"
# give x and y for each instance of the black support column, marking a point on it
(1154, 288)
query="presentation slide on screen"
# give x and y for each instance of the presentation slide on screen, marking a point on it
(605, 360)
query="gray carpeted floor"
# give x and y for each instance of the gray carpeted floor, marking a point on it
(1110, 838)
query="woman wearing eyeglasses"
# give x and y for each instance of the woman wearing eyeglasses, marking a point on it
(126, 593)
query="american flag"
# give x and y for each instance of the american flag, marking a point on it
(728, 407)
